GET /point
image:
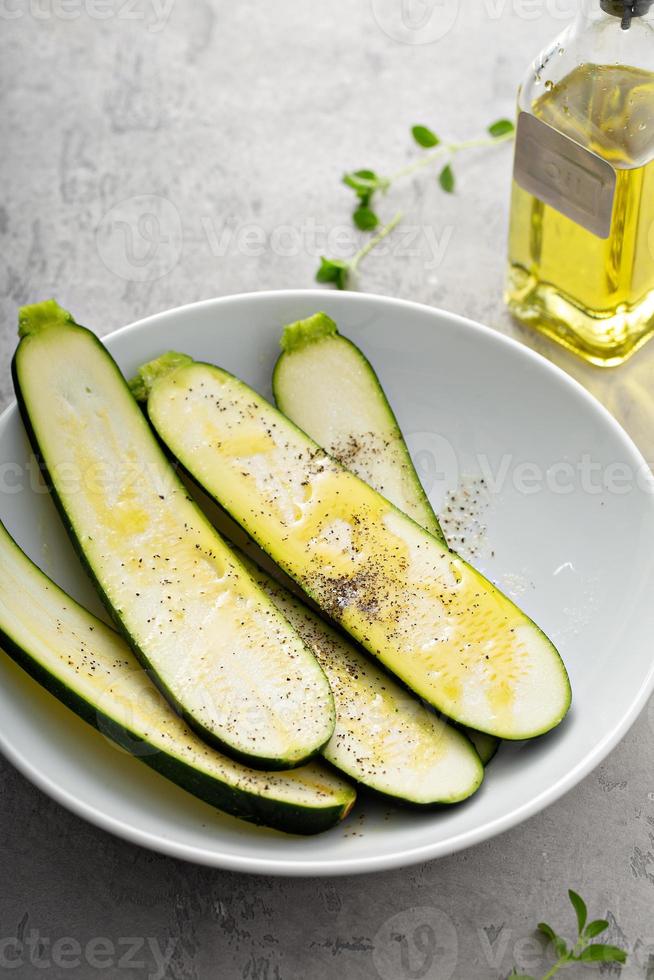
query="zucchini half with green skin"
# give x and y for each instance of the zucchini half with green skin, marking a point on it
(440, 626)
(90, 668)
(214, 643)
(326, 385)
(384, 738)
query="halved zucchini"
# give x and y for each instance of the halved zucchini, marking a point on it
(216, 645)
(446, 631)
(326, 385)
(88, 667)
(384, 738)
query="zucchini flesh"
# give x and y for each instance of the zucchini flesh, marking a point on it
(384, 738)
(326, 385)
(90, 668)
(214, 643)
(435, 622)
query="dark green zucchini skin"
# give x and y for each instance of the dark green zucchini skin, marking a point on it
(259, 762)
(289, 818)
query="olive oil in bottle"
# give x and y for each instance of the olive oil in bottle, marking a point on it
(581, 241)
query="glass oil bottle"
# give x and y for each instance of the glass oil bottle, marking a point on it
(581, 241)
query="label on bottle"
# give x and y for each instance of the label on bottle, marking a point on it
(573, 180)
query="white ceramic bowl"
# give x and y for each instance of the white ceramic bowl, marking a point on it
(569, 512)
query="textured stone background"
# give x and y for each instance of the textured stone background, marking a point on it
(239, 119)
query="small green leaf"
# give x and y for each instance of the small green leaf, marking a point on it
(558, 943)
(446, 179)
(363, 183)
(579, 906)
(594, 928)
(501, 127)
(365, 218)
(424, 136)
(598, 953)
(333, 271)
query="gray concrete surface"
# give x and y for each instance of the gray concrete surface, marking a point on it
(243, 116)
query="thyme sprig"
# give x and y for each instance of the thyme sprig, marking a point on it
(584, 950)
(368, 185)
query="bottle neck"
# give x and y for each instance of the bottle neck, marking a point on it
(596, 31)
(626, 10)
